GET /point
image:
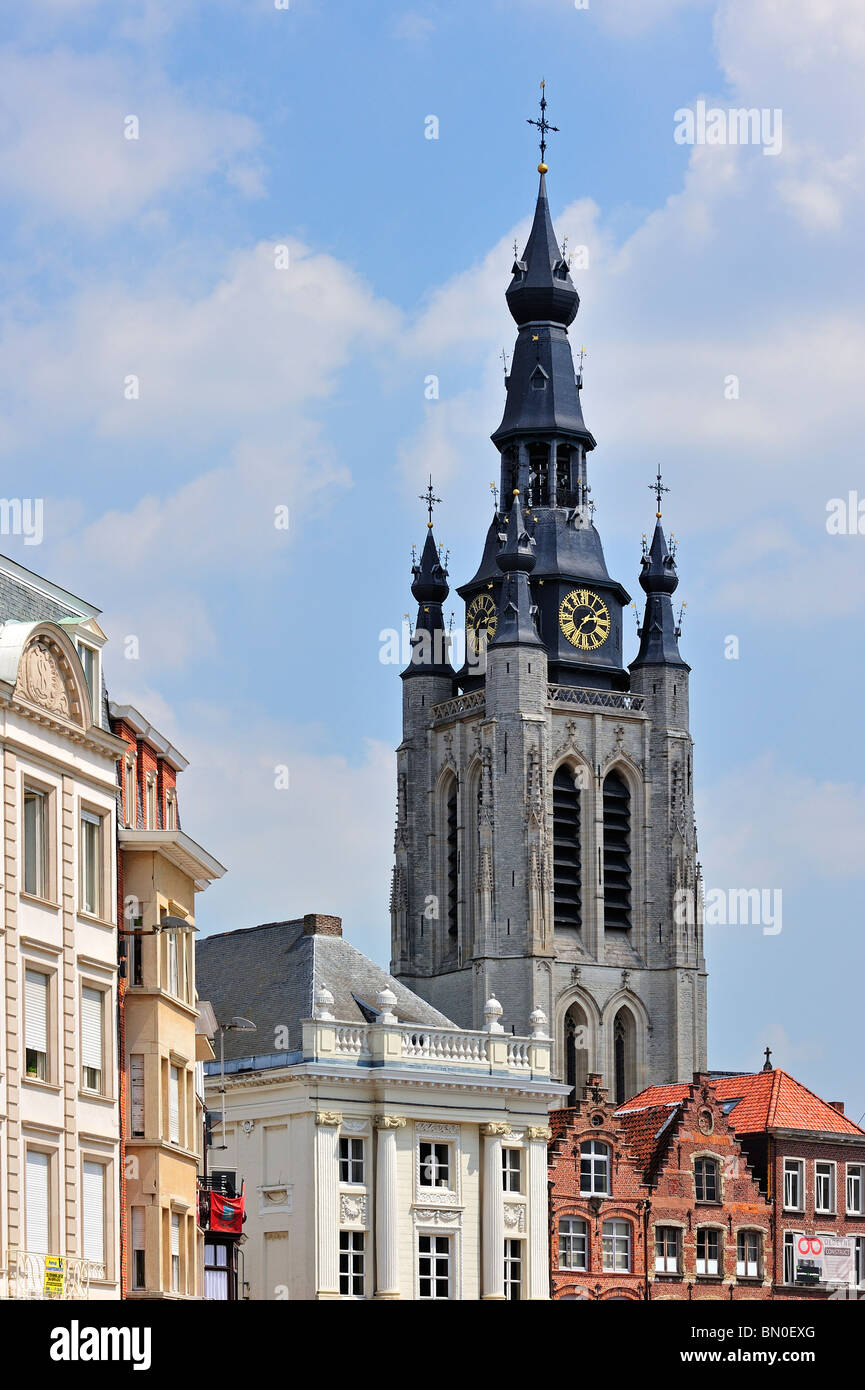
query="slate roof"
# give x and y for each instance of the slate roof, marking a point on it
(765, 1100)
(270, 973)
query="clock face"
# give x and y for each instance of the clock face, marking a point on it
(584, 619)
(481, 621)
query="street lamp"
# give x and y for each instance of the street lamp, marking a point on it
(237, 1024)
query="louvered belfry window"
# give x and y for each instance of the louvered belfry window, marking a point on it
(617, 853)
(567, 879)
(452, 860)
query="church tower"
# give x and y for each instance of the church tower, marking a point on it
(545, 843)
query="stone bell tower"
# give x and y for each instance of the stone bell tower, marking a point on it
(546, 850)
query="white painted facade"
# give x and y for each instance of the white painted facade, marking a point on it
(59, 1103)
(374, 1160)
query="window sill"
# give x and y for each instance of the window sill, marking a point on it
(41, 1085)
(97, 1096)
(95, 918)
(708, 1202)
(709, 1278)
(39, 901)
(749, 1279)
(667, 1276)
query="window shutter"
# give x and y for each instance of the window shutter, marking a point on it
(91, 1028)
(137, 1228)
(93, 1203)
(36, 1011)
(175, 1234)
(174, 1105)
(37, 1186)
(136, 1092)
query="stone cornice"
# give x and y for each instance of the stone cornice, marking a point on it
(375, 1078)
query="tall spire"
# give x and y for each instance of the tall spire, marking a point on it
(516, 560)
(659, 634)
(430, 642)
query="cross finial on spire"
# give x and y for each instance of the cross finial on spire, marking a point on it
(430, 498)
(543, 126)
(767, 1065)
(658, 488)
(494, 490)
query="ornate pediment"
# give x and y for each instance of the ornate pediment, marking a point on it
(45, 680)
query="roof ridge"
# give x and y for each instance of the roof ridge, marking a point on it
(802, 1087)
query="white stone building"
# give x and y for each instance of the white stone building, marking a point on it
(59, 1107)
(385, 1153)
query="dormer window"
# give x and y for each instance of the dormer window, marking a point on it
(90, 662)
(538, 378)
(150, 802)
(170, 811)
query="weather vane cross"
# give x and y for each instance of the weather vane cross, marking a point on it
(430, 498)
(658, 488)
(543, 126)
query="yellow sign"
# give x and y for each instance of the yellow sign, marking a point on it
(55, 1275)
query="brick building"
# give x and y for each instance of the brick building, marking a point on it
(809, 1160)
(657, 1201)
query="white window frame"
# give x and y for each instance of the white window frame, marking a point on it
(514, 1266)
(351, 1155)
(797, 1164)
(436, 1252)
(820, 1178)
(613, 1232)
(175, 1102)
(788, 1248)
(131, 789)
(595, 1161)
(87, 1007)
(91, 896)
(430, 1166)
(37, 1210)
(150, 816)
(704, 1161)
(176, 1224)
(707, 1259)
(41, 884)
(352, 1251)
(512, 1170)
(751, 1236)
(93, 682)
(38, 1021)
(569, 1243)
(170, 809)
(855, 1178)
(667, 1262)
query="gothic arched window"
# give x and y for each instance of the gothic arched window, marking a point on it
(576, 1052)
(617, 853)
(452, 861)
(625, 1055)
(567, 877)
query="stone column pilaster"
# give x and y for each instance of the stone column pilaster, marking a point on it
(327, 1203)
(387, 1208)
(536, 1194)
(493, 1227)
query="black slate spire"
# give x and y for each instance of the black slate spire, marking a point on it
(430, 642)
(516, 560)
(659, 634)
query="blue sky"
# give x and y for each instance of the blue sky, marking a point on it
(305, 388)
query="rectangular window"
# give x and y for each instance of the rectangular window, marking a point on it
(93, 1216)
(136, 1095)
(435, 1165)
(790, 1239)
(668, 1243)
(133, 955)
(137, 1270)
(36, 986)
(748, 1255)
(854, 1188)
(150, 802)
(37, 1196)
(617, 1245)
(824, 1187)
(175, 1252)
(351, 1160)
(708, 1251)
(36, 842)
(706, 1179)
(794, 1184)
(859, 1261)
(173, 973)
(131, 810)
(170, 811)
(174, 1105)
(434, 1266)
(512, 1170)
(90, 662)
(513, 1269)
(91, 864)
(217, 1286)
(92, 1047)
(573, 1243)
(352, 1278)
(594, 1169)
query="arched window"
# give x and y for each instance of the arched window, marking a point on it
(576, 1052)
(565, 494)
(594, 1169)
(567, 882)
(617, 853)
(625, 1055)
(452, 861)
(539, 486)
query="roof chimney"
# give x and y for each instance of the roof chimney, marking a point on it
(837, 1105)
(317, 924)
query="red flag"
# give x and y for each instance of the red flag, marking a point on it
(226, 1213)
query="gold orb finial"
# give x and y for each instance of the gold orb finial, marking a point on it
(516, 492)
(542, 168)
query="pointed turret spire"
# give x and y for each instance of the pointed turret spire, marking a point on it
(516, 560)
(542, 287)
(430, 642)
(659, 634)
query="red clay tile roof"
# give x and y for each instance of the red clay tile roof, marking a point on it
(766, 1100)
(647, 1131)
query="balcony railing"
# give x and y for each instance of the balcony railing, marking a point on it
(408, 1045)
(597, 699)
(457, 707)
(24, 1277)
